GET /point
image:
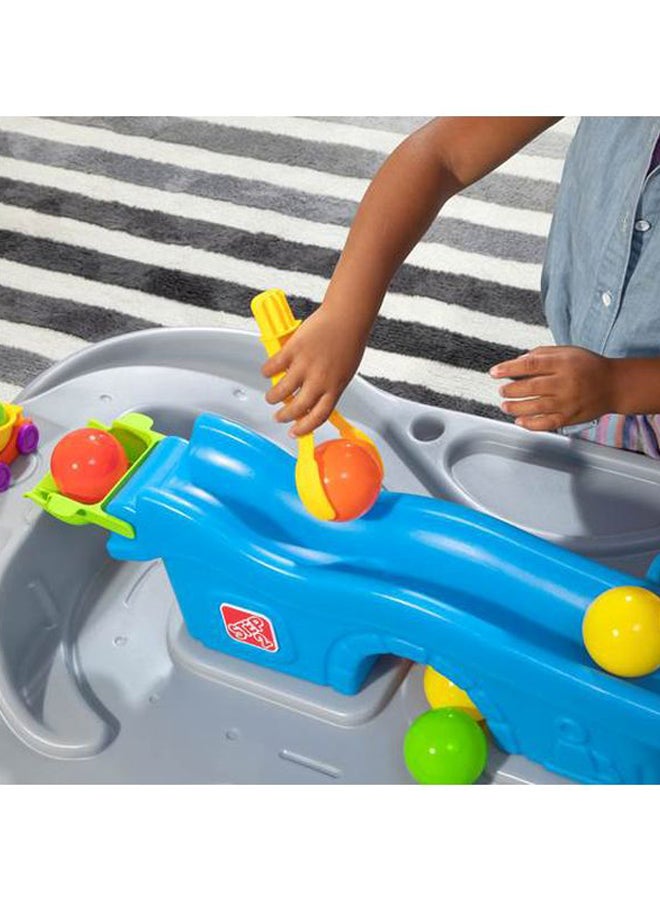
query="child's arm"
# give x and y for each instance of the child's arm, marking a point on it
(428, 168)
(558, 386)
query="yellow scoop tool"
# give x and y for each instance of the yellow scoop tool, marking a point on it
(276, 323)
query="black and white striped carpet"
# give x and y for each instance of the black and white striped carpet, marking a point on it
(111, 224)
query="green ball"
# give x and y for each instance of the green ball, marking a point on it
(445, 746)
(3, 414)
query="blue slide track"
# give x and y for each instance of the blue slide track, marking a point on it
(496, 610)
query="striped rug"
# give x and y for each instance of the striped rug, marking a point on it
(112, 224)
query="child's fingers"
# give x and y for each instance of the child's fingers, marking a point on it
(529, 387)
(510, 368)
(315, 417)
(524, 366)
(306, 398)
(539, 406)
(280, 362)
(284, 388)
(541, 423)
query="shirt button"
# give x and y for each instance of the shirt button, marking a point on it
(606, 297)
(642, 225)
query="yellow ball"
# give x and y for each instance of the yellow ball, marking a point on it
(621, 631)
(441, 692)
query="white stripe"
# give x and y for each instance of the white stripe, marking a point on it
(441, 258)
(439, 377)
(293, 177)
(458, 319)
(477, 212)
(536, 167)
(256, 276)
(52, 344)
(217, 265)
(159, 310)
(427, 254)
(568, 125)
(8, 391)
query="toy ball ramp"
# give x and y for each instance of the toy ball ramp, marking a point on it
(301, 655)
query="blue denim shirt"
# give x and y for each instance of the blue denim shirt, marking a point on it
(601, 276)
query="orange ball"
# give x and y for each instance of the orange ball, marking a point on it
(350, 475)
(86, 464)
(373, 453)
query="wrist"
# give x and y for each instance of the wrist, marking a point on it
(634, 385)
(355, 304)
(616, 379)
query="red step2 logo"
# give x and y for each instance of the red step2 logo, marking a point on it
(248, 627)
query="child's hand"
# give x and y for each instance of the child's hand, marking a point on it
(561, 386)
(320, 358)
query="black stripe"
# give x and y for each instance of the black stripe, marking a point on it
(91, 323)
(514, 190)
(426, 342)
(483, 296)
(421, 394)
(467, 236)
(496, 242)
(337, 159)
(266, 249)
(197, 290)
(403, 338)
(21, 366)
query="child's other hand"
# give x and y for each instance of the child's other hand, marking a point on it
(556, 386)
(320, 358)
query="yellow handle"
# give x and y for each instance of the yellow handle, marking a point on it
(273, 315)
(276, 323)
(309, 482)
